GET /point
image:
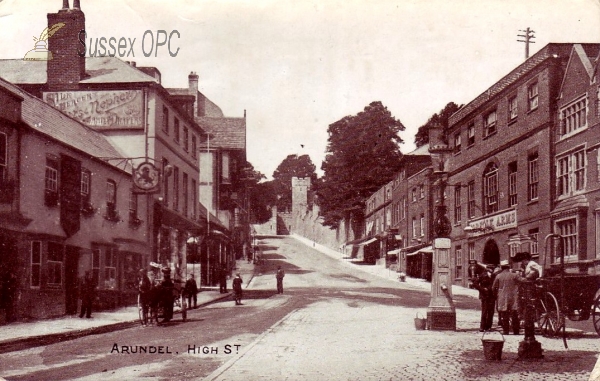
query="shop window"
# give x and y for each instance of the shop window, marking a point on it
(110, 269)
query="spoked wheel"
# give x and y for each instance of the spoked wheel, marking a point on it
(142, 313)
(596, 312)
(549, 319)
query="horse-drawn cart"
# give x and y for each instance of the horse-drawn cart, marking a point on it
(163, 298)
(566, 294)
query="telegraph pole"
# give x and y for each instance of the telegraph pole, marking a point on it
(528, 37)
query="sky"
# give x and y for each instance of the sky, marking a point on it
(297, 66)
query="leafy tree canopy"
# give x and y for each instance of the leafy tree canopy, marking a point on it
(261, 196)
(362, 154)
(291, 166)
(422, 136)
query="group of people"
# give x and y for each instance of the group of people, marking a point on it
(499, 287)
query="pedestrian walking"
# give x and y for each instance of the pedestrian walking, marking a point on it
(280, 274)
(88, 291)
(506, 291)
(481, 279)
(223, 280)
(237, 289)
(191, 291)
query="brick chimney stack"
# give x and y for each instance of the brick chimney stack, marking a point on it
(66, 68)
(193, 90)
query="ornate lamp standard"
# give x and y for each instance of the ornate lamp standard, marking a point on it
(441, 313)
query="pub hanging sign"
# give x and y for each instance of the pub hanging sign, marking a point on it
(146, 178)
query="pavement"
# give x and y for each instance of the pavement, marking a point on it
(22, 335)
(290, 348)
(329, 340)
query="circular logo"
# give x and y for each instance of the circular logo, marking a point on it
(146, 176)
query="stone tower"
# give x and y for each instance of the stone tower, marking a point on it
(300, 187)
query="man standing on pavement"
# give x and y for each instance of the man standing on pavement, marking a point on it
(237, 289)
(191, 291)
(88, 289)
(280, 274)
(506, 289)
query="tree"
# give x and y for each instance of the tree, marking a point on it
(362, 154)
(422, 136)
(261, 195)
(291, 166)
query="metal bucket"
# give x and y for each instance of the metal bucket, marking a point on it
(420, 323)
(492, 348)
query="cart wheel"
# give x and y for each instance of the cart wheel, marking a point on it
(183, 308)
(141, 313)
(596, 313)
(549, 318)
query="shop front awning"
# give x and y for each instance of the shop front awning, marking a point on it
(394, 252)
(426, 249)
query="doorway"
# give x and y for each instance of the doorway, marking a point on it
(491, 254)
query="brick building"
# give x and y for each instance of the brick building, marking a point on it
(576, 135)
(501, 172)
(155, 127)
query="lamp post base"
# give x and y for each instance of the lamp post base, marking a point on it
(530, 349)
(441, 319)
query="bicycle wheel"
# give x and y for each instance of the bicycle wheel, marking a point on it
(596, 313)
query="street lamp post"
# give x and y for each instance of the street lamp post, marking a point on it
(441, 313)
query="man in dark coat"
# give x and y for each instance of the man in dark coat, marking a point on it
(280, 274)
(482, 281)
(237, 289)
(191, 291)
(506, 290)
(88, 291)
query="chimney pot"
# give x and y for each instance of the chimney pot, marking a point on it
(133, 63)
(65, 4)
(76, 4)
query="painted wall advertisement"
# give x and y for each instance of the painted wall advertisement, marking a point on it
(116, 109)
